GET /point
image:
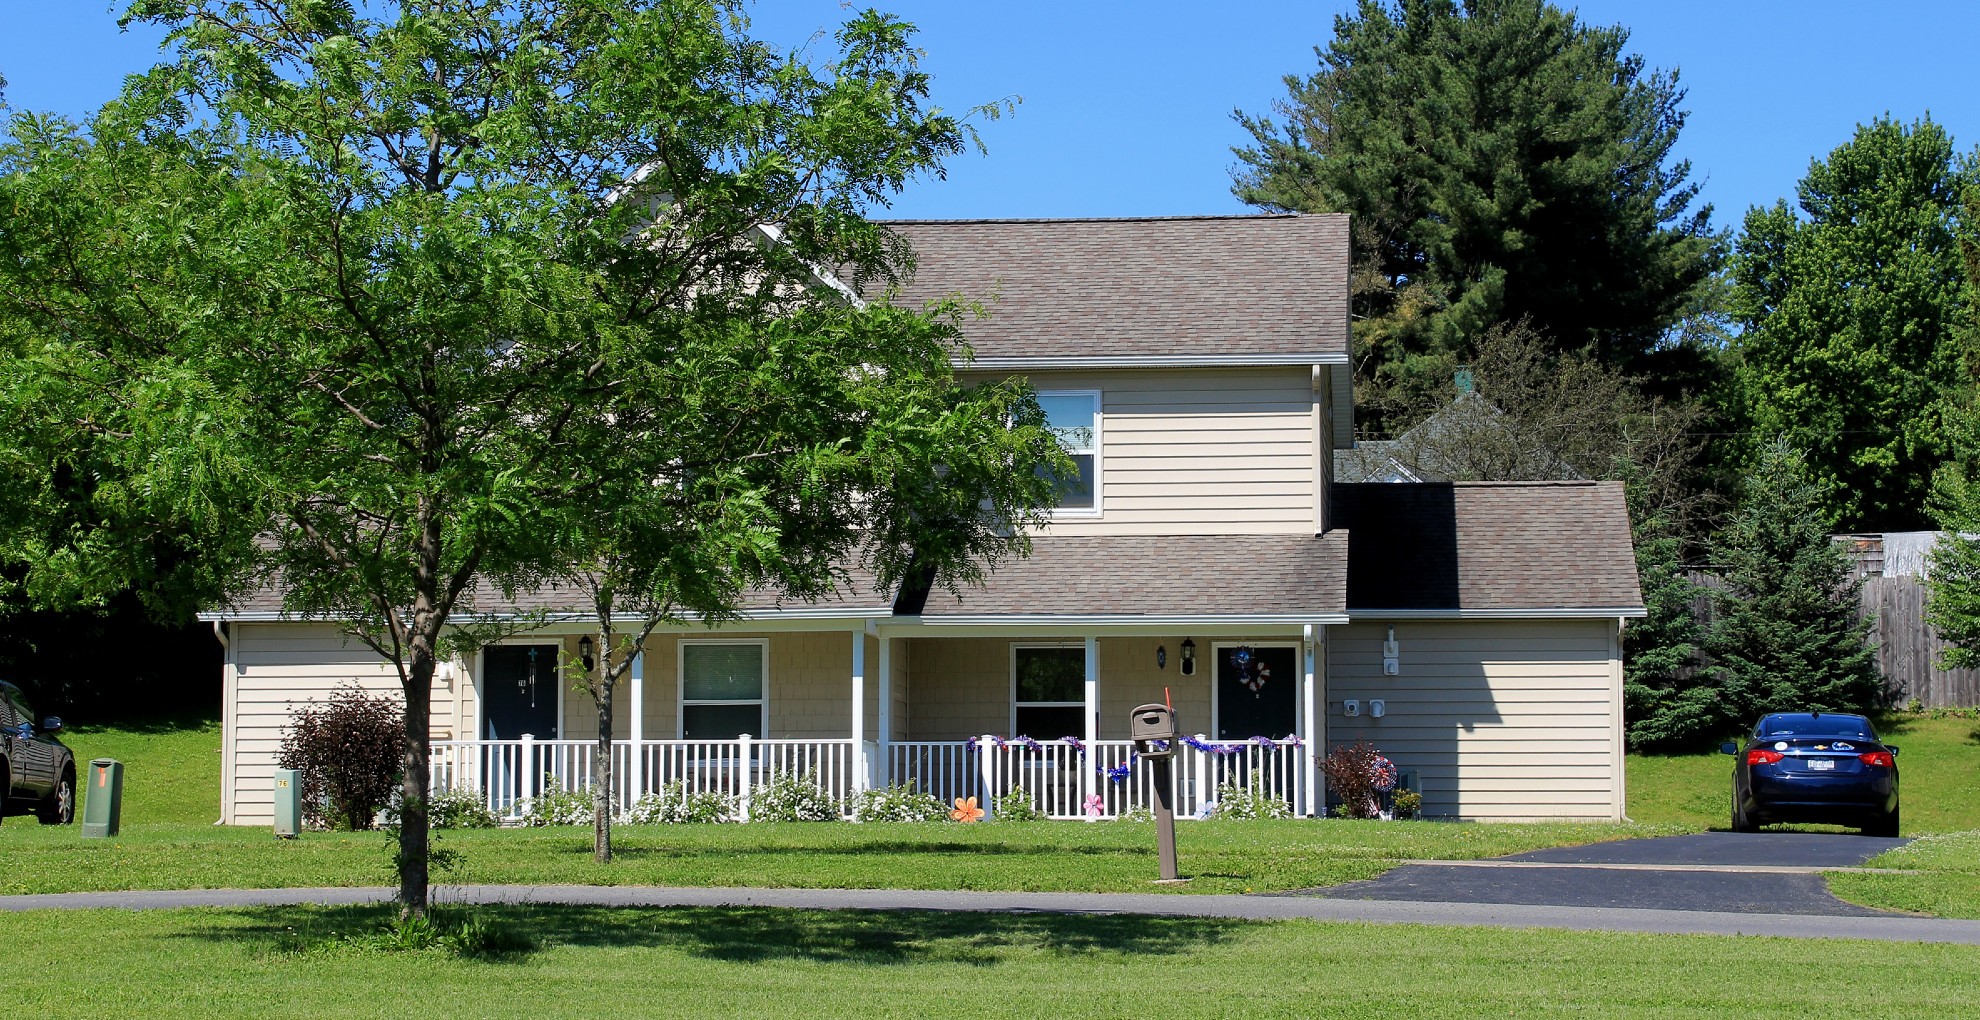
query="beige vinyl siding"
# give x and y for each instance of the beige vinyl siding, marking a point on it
(903, 704)
(1501, 719)
(810, 687)
(1200, 451)
(278, 668)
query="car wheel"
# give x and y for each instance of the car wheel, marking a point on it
(60, 807)
(1740, 821)
(1885, 826)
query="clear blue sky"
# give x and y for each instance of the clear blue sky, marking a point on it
(1126, 106)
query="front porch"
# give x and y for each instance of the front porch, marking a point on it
(963, 712)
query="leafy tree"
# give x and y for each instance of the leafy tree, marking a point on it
(907, 468)
(1786, 633)
(1952, 605)
(1851, 318)
(1502, 161)
(343, 285)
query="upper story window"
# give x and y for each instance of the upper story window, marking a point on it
(1074, 417)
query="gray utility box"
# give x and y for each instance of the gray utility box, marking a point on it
(103, 798)
(288, 802)
(1150, 723)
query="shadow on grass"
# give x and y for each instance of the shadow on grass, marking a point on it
(741, 934)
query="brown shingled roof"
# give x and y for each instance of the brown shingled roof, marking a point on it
(564, 599)
(1272, 285)
(1160, 575)
(1488, 545)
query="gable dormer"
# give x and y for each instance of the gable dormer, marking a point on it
(1197, 366)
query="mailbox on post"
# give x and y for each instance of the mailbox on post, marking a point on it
(1153, 730)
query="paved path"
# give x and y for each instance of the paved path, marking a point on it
(1714, 872)
(1885, 927)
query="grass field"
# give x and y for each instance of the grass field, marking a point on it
(1222, 856)
(755, 962)
(171, 766)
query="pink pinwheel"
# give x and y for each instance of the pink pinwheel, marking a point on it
(1095, 806)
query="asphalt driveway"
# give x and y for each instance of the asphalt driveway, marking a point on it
(1727, 872)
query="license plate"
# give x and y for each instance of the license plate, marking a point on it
(1822, 764)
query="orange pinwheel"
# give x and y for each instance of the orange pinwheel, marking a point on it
(966, 810)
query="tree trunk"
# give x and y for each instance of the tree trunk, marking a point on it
(601, 821)
(413, 790)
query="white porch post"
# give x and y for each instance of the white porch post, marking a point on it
(636, 729)
(1086, 774)
(859, 711)
(886, 735)
(1309, 732)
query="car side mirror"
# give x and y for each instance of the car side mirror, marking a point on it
(1891, 748)
(1729, 747)
(52, 725)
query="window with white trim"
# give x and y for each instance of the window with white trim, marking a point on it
(722, 689)
(1048, 685)
(1074, 417)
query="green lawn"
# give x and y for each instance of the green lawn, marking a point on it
(788, 963)
(171, 767)
(1223, 856)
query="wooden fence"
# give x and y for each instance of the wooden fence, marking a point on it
(1907, 649)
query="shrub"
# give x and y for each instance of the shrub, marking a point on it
(1351, 775)
(349, 749)
(1409, 804)
(1016, 806)
(900, 803)
(1234, 801)
(789, 797)
(452, 808)
(556, 805)
(674, 805)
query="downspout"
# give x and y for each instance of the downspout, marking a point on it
(226, 712)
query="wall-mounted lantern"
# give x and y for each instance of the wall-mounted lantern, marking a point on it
(1161, 657)
(1188, 663)
(584, 652)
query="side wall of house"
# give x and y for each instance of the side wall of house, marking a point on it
(1501, 720)
(276, 668)
(1201, 451)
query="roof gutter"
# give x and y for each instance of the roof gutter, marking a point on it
(1557, 613)
(1004, 364)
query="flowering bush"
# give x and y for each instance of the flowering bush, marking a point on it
(674, 805)
(556, 805)
(790, 797)
(1016, 806)
(1234, 801)
(1409, 804)
(901, 803)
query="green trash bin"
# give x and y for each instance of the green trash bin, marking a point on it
(288, 802)
(103, 798)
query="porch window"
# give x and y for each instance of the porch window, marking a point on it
(1074, 417)
(1048, 691)
(722, 688)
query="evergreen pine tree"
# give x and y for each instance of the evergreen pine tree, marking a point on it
(1786, 634)
(1666, 699)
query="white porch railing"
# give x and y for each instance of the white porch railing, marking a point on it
(1057, 777)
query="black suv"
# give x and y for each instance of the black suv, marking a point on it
(40, 772)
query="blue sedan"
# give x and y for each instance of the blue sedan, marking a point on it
(1814, 767)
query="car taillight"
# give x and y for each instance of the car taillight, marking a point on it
(1762, 756)
(1881, 759)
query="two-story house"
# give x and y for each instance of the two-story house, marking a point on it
(1197, 370)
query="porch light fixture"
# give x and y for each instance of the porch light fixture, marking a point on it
(1161, 657)
(584, 652)
(1188, 663)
